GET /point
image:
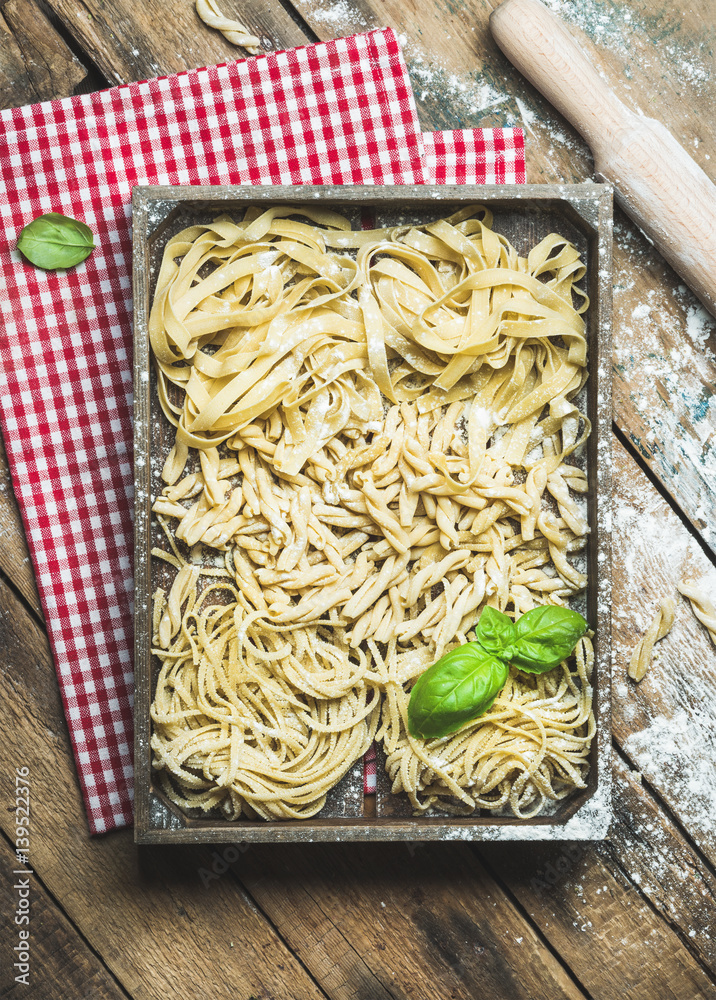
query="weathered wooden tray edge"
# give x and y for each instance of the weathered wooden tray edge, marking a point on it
(156, 821)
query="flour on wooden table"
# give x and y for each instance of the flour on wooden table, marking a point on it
(339, 13)
(467, 93)
(675, 745)
(614, 29)
(664, 352)
(680, 752)
(700, 327)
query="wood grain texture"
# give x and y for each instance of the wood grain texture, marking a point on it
(35, 62)
(148, 913)
(425, 921)
(659, 57)
(647, 847)
(645, 862)
(665, 724)
(15, 560)
(131, 41)
(588, 902)
(656, 182)
(61, 964)
(412, 921)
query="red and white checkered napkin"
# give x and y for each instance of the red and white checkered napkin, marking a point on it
(338, 112)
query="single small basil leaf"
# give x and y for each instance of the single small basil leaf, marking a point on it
(495, 632)
(55, 241)
(458, 688)
(545, 637)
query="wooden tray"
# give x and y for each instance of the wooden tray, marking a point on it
(525, 214)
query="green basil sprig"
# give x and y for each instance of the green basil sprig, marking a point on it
(464, 683)
(55, 241)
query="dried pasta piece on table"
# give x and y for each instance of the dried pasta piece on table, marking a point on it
(702, 606)
(233, 31)
(661, 626)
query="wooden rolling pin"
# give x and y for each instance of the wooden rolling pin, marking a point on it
(656, 182)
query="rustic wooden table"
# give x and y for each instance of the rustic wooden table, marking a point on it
(633, 915)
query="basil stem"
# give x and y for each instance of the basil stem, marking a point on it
(55, 241)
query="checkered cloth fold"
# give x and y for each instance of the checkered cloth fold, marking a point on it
(341, 112)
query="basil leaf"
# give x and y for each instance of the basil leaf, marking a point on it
(53, 241)
(495, 632)
(545, 636)
(458, 688)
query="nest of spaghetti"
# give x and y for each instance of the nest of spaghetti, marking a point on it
(251, 718)
(377, 434)
(530, 750)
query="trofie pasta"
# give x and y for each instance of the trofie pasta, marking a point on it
(660, 627)
(233, 31)
(701, 604)
(373, 433)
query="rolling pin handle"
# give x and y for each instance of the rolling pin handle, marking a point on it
(656, 182)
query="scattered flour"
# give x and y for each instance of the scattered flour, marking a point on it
(641, 311)
(338, 13)
(614, 29)
(679, 752)
(528, 116)
(700, 326)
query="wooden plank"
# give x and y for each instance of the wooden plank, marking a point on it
(15, 559)
(587, 899)
(35, 62)
(657, 54)
(417, 921)
(164, 925)
(131, 41)
(601, 911)
(664, 373)
(665, 724)
(61, 963)
(647, 848)
(644, 878)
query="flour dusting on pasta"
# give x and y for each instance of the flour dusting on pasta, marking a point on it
(374, 431)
